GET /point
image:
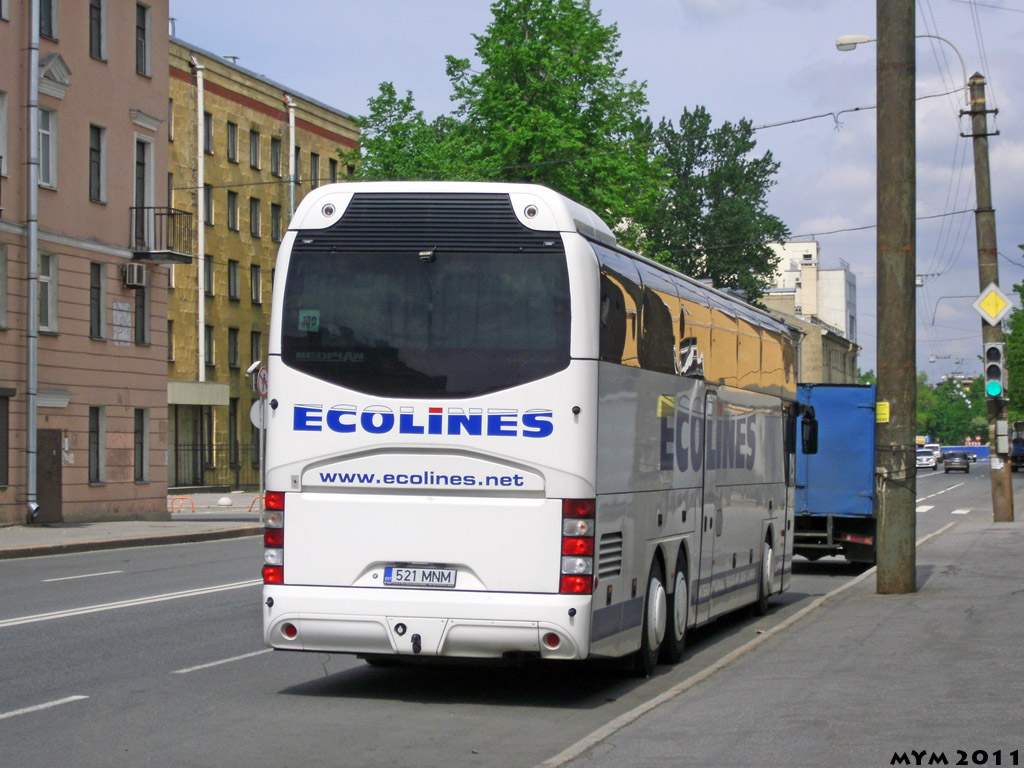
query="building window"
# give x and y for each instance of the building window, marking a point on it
(48, 18)
(5, 431)
(275, 222)
(208, 133)
(170, 193)
(254, 149)
(141, 444)
(314, 170)
(142, 313)
(208, 275)
(233, 430)
(297, 160)
(97, 301)
(47, 148)
(170, 119)
(206, 438)
(232, 211)
(208, 344)
(97, 442)
(48, 292)
(233, 348)
(254, 216)
(254, 283)
(170, 341)
(142, 39)
(3, 285)
(3, 132)
(97, 175)
(207, 204)
(97, 36)
(232, 139)
(232, 279)
(255, 344)
(275, 156)
(332, 170)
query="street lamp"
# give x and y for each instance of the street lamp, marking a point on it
(849, 42)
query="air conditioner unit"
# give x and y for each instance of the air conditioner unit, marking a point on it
(133, 275)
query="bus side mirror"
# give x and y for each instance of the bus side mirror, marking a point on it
(809, 433)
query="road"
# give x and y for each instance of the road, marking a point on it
(153, 657)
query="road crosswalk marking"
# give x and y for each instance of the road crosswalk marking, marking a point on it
(961, 511)
(925, 507)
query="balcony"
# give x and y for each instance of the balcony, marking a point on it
(161, 235)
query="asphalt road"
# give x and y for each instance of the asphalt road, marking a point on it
(153, 657)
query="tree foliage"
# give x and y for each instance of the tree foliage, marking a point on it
(547, 102)
(949, 413)
(1013, 355)
(711, 219)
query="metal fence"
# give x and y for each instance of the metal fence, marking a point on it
(236, 467)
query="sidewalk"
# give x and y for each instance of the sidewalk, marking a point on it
(862, 680)
(198, 517)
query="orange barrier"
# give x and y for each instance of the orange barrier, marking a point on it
(257, 500)
(177, 504)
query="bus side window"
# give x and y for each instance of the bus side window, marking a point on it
(613, 321)
(656, 339)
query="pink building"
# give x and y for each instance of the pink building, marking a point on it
(104, 238)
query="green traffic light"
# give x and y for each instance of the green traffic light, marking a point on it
(993, 389)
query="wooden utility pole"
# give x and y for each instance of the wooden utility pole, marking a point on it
(988, 274)
(897, 340)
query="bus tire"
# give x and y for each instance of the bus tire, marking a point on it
(675, 633)
(764, 582)
(652, 630)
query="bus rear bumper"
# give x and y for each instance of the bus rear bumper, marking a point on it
(425, 622)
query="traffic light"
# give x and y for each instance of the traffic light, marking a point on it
(995, 370)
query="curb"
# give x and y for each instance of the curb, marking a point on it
(141, 541)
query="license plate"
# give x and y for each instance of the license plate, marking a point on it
(417, 576)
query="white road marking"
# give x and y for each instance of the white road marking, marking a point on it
(222, 661)
(925, 508)
(40, 707)
(83, 576)
(961, 511)
(126, 603)
(939, 493)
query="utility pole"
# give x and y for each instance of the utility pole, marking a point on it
(988, 274)
(897, 340)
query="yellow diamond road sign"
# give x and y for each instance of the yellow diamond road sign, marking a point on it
(992, 304)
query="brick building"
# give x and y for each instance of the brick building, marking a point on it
(230, 162)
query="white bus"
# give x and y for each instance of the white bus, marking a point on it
(493, 432)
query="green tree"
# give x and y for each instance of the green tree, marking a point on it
(547, 102)
(1013, 354)
(866, 377)
(711, 219)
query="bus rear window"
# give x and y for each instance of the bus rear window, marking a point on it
(446, 325)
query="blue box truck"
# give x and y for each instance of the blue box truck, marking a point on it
(835, 487)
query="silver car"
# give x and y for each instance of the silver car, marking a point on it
(925, 459)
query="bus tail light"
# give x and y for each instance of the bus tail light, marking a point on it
(273, 538)
(577, 572)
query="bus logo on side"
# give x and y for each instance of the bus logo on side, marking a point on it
(381, 420)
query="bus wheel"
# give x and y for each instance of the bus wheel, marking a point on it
(675, 635)
(764, 584)
(655, 618)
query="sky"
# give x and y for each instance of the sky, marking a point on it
(773, 62)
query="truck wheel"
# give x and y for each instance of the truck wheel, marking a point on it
(652, 631)
(675, 635)
(764, 584)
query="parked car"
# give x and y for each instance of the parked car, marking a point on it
(957, 460)
(925, 459)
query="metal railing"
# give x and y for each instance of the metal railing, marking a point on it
(159, 229)
(216, 466)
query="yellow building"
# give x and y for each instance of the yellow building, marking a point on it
(236, 139)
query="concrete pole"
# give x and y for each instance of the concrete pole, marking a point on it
(988, 273)
(897, 369)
